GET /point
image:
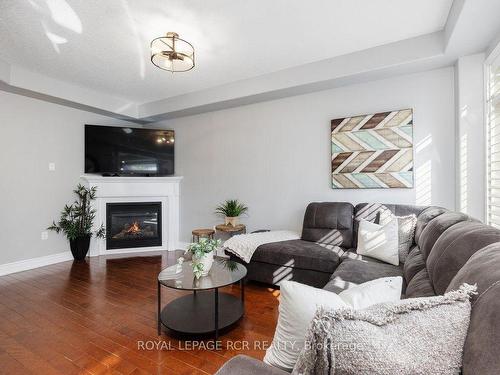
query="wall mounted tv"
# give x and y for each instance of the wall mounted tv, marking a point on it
(123, 151)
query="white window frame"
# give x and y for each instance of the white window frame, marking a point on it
(491, 60)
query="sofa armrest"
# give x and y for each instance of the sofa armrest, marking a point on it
(245, 365)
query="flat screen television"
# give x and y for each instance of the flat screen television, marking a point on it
(124, 151)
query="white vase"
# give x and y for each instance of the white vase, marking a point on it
(232, 220)
(207, 260)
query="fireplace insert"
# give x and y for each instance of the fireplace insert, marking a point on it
(135, 224)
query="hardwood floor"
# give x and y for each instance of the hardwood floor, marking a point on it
(91, 318)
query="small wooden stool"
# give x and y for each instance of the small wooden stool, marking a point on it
(200, 233)
(230, 230)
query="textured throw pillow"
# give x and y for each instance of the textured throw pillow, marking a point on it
(406, 232)
(299, 302)
(419, 336)
(379, 241)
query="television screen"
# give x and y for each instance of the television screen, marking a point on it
(111, 150)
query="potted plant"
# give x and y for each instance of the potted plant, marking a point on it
(231, 209)
(203, 255)
(76, 222)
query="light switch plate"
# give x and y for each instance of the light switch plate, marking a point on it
(45, 235)
(52, 167)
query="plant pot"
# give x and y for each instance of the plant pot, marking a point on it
(80, 247)
(207, 260)
(232, 220)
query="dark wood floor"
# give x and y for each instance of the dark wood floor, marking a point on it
(90, 318)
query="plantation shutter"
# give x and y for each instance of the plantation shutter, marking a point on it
(493, 143)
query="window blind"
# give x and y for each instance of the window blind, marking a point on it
(493, 142)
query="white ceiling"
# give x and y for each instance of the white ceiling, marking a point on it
(104, 45)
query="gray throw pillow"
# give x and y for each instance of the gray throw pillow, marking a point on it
(410, 337)
(406, 232)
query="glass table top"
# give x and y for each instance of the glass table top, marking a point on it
(223, 272)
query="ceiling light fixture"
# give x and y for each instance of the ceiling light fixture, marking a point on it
(172, 53)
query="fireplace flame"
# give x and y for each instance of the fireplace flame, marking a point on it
(134, 228)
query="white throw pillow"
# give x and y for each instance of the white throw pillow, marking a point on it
(379, 241)
(373, 292)
(299, 302)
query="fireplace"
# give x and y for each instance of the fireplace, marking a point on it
(131, 225)
(160, 191)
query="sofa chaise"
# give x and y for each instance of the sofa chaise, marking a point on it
(449, 248)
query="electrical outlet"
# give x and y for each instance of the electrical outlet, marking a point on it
(52, 167)
(45, 235)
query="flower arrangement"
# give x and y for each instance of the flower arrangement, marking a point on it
(203, 255)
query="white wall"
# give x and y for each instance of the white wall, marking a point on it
(275, 156)
(34, 133)
(471, 138)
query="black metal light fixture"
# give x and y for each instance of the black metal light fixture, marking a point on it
(172, 53)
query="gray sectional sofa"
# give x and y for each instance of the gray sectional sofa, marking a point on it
(449, 248)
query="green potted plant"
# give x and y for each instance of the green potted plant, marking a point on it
(231, 209)
(77, 220)
(203, 255)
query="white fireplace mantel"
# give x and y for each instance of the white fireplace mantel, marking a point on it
(136, 189)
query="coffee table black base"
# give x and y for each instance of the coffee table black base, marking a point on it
(195, 313)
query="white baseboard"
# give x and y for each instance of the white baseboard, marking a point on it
(28, 264)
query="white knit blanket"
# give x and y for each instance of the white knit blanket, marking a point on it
(244, 245)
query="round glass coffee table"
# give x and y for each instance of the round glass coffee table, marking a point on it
(205, 310)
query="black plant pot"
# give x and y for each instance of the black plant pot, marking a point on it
(80, 247)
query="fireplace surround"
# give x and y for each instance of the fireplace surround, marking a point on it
(159, 199)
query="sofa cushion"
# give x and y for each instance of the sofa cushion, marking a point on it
(298, 254)
(328, 223)
(379, 213)
(414, 263)
(352, 254)
(482, 269)
(274, 274)
(420, 286)
(353, 272)
(436, 227)
(425, 217)
(481, 346)
(454, 248)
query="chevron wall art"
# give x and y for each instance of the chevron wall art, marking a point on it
(373, 151)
